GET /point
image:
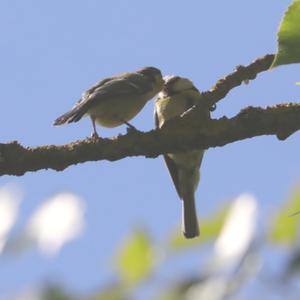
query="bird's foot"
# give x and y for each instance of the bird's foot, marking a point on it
(94, 136)
(131, 128)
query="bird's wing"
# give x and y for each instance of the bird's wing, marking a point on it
(97, 85)
(114, 87)
(169, 162)
(173, 170)
(126, 85)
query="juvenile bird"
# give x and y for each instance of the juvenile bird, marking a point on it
(116, 100)
(178, 95)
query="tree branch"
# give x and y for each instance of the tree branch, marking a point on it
(179, 134)
(236, 78)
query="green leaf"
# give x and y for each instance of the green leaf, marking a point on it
(288, 37)
(298, 83)
(209, 229)
(285, 226)
(136, 258)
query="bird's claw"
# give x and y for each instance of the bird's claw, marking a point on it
(94, 136)
(132, 129)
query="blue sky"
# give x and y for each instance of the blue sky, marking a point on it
(52, 51)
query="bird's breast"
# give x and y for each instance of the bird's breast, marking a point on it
(113, 112)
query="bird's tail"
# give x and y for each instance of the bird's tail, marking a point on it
(74, 115)
(190, 225)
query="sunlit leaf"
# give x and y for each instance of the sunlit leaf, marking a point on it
(136, 258)
(285, 226)
(209, 229)
(289, 37)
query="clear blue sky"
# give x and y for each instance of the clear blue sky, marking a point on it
(53, 50)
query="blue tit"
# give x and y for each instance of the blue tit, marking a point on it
(116, 100)
(178, 95)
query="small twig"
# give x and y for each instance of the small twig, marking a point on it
(240, 75)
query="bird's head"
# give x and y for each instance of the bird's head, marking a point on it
(176, 84)
(154, 75)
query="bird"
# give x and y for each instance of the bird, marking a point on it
(178, 95)
(114, 101)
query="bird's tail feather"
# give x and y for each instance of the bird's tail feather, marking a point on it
(73, 115)
(190, 225)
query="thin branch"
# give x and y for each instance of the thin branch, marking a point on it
(179, 134)
(240, 75)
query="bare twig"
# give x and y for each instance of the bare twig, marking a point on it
(241, 74)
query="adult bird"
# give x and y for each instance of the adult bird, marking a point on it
(178, 95)
(116, 100)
